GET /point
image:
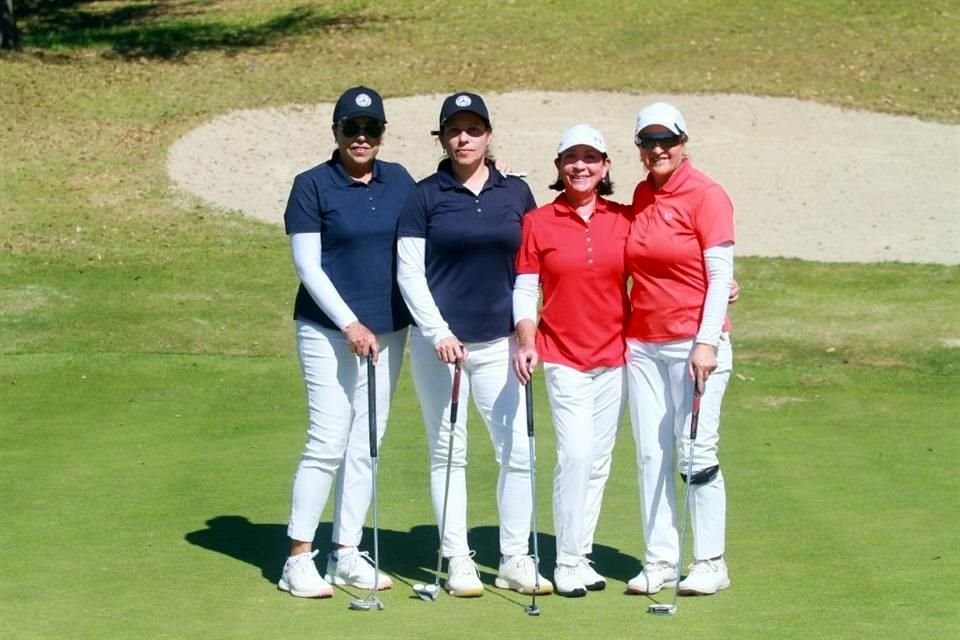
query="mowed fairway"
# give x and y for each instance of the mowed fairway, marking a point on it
(151, 408)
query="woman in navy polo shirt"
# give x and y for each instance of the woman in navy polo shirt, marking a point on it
(341, 218)
(457, 239)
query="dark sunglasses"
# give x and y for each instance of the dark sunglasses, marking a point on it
(352, 129)
(664, 141)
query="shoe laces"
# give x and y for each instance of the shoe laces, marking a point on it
(704, 566)
(463, 565)
(303, 563)
(354, 562)
(525, 564)
(351, 556)
(586, 565)
(660, 566)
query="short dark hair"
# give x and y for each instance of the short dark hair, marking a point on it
(605, 188)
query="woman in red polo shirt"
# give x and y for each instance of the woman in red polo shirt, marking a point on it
(574, 249)
(680, 255)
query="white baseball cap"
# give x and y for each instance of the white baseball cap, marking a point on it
(582, 134)
(663, 114)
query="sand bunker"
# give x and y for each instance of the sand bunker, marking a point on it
(807, 180)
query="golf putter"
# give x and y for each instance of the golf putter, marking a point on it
(430, 592)
(371, 601)
(671, 609)
(532, 609)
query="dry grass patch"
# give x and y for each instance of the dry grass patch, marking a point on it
(29, 299)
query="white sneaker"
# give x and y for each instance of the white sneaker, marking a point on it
(655, 576)
(568, 581)
(300, 577)
(706, 577)
(520, 574)
(592, 580)
(352, 567)
(463, 579)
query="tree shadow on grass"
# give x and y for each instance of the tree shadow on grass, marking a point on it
(410, 555)
(167, 30)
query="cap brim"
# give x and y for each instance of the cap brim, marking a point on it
(659, 135)
(580, 144)
(362, 114)
(485, 119)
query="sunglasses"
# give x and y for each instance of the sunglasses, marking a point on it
(352, 129)
(664, 141)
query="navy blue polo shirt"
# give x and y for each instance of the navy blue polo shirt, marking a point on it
(471, 242)
(358, 224)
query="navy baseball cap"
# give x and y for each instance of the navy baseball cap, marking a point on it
(359, 102)
(463, 101)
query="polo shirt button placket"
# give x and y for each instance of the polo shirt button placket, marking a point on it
(586, 227)
(479, 209)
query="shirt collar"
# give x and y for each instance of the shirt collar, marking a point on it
(562, 207)
(676, 179)
(447, 181)
(340, 176)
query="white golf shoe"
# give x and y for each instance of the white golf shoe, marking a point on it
(300, 577)
(520, 574)
(654, 577)
(592, 580)
(463, 579)
(567, 579)
(350, 566)
(706, 577)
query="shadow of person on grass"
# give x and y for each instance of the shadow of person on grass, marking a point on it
(608, 561)
(411, 555)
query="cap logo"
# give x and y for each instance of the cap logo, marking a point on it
(463, 101)
(363, 100)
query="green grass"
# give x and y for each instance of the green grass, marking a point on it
(151, 410)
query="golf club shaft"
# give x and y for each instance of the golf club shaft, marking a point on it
(372, 404)
(694, 420)
(373, 434)
(454, 405)
(531, 445)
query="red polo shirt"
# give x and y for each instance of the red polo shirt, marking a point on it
(674, 225)
(580, 264)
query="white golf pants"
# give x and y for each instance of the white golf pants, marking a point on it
(338, 442)
(488, 378)
(586, 408)
(660, 395)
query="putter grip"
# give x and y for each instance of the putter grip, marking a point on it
(695, 414)
(372, 403)
(455, 395)
(528, 390)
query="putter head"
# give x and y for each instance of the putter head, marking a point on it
(366, 604)
(428, 592)
(662, 609)
(532, 610)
